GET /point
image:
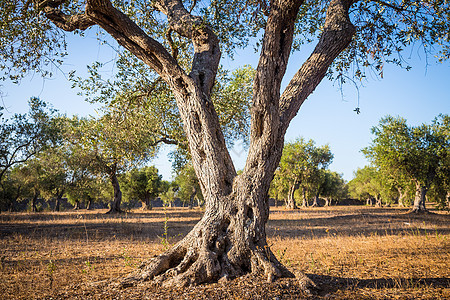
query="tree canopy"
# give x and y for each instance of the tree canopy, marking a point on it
(417, 153)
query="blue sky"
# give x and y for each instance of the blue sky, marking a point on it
(418, 95)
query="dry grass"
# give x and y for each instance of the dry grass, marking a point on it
(352, 252)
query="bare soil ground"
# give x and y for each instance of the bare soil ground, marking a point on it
(350, 252)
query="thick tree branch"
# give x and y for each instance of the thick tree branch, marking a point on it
(206, 44)
(272, 64)
(337, 35)
(133, 38)
(66, 22)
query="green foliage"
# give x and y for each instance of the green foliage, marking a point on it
(411, 155)
(142, 184)
(301, 164)
(187, 186)
(365, 184)
(23, 135)
(415, 152)
(135, 90)
(28, 41)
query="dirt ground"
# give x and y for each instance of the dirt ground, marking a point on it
(350, 252)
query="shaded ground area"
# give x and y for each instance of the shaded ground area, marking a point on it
(351, 252)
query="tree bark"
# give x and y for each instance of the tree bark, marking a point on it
(77, 205)
(58, 201)
(89, 204)
(447, 198)
(419, 199)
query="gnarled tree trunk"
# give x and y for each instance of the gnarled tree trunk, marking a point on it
(230, 239)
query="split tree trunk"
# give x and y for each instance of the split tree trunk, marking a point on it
(305, 199)
(291, 198)
(230, 239)
(378, 201)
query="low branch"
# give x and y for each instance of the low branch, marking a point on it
(67, 22)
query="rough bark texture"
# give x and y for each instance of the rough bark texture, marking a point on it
(230, 239)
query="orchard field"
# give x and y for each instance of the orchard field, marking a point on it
(352, 252)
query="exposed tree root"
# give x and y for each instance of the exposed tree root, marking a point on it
(186, 266)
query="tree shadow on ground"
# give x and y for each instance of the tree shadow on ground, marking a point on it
(362, 223)
(330, 284)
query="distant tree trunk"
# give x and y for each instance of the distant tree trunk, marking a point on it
(447, 198)
(315, 201)
(117, 198)
(291, 196)
(401, 197)
(77, 205)
(146, 203)
(419, 199)
(33, 201)
(192, 197)
(327, 201)
(89, 203)
(369, 201)
(305, 200)
(378, 201)
(58, 201)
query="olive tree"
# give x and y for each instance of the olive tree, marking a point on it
(416, 152)
(230, 239)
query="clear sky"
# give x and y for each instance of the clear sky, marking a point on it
(418, 95)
